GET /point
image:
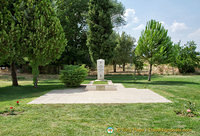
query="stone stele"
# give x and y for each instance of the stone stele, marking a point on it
(100, 69)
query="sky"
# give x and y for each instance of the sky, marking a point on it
(180, 17)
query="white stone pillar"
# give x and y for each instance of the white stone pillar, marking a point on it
(100, 69)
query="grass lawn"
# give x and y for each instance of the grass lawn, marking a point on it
(93, 119)
(100, 82)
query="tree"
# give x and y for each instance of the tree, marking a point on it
(45, 37)
(12, 48)
(124, 48)
(176, 48)
(154, 45)
(137, 61)
(117, 13)
(115, 56)
(187, 59)
(73, 15)
(100, 29)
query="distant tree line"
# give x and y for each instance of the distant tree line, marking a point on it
(154, 47)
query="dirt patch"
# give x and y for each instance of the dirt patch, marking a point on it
(180, 113)
(9, 114)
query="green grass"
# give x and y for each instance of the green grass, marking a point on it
(93, 119)
(100, 82)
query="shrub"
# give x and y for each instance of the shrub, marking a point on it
(189, 109)
(186, 68)
(73, 75)
(187, 58)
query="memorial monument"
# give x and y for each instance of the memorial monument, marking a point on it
(100, 77)
(100, 69)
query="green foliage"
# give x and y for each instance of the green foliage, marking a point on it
(117, 13)
(100, 29)
(137, 61)
(113, 40)
(154, 44)
(125, 45)
(72, 15)
(176, 49)
(190, 109)
(12, 33)
(45, 37)
(12, 46)
(191, 106)
(122, 48)
(73, 75)
(187, 58)
(35, 72)
(100, 82)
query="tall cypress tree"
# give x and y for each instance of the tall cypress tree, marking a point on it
(100, 29)
(45, 36)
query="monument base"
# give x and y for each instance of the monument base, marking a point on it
(100, 80)
(101, 87)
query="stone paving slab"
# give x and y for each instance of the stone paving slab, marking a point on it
(80, 96)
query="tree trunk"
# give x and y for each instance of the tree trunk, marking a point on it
(173, 70)
(124, 67)
(14, 74)
(149, 78)
(35, 72)
(135, 70)
(58, 69)
(114, 67)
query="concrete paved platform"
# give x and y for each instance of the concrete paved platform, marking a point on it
(80, 96)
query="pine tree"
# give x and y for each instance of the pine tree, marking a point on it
(154, 45)
(45, 36)
(100, 29)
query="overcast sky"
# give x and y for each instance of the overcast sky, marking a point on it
(180, 17)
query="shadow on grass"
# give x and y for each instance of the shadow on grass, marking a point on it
(163, 83)
(27, 91)
(130, 79)
(127, 77)
(48, 82)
